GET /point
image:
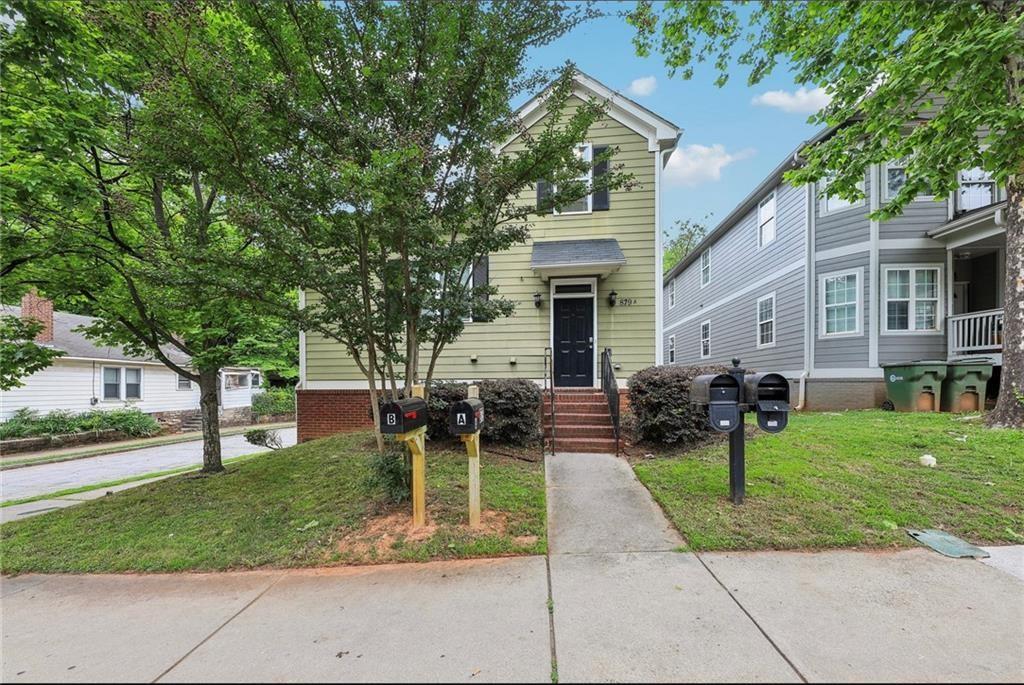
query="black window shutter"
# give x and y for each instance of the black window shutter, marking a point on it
(601, 202)
(543, 197)
(481, 277)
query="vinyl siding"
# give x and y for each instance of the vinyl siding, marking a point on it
(842, 351)
(733, 318)
(628, 330)
(895, 347)
(844, 227)
(917, 219)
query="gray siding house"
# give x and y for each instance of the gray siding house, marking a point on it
(795, 281)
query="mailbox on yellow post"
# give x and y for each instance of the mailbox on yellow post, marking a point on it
(465, 419)
(406, 419)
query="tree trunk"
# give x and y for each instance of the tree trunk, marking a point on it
(209, 409)
(1009, 409)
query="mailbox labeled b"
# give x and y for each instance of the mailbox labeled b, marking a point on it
(402, 416)
(466, 417)
(768, 394)
(720, 393)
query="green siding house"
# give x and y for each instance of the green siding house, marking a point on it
(562, 280)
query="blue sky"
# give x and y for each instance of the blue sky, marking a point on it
(729, 143)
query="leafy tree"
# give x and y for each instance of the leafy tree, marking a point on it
(103, 213)
(360, 144)
(680, 241)
(20, 356)
(939, 83)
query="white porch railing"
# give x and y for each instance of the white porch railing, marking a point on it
(976, 332)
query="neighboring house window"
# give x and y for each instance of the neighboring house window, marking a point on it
(236, 381)
(840, 302)
(671, 349)
(256, 379)
(672, 293)
(766, 321)
(705, 268)
(896, 177)
(827, 204)
(912, 299)
(184, 383)
(977, 189)
(705, 340)
(122, 383)
(582, 205)
(766, 221)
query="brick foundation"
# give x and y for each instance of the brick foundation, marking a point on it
(832, 394)
(325, 412)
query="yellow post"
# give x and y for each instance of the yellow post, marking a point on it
(418, 447)
(473, 450)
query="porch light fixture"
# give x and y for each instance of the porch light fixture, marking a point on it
(612, 298)
(536, 300)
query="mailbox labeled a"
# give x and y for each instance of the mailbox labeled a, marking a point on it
(768, 394)
(466, 417)
(403, 416)
(720, 393)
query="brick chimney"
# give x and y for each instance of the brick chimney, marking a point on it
(41, 309)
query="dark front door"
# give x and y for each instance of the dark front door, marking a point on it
(574, 341)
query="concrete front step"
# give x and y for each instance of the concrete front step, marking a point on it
(602, 445)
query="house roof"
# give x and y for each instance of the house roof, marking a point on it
(662, 135)
(73, 342)
(989, 214)
(599, 256)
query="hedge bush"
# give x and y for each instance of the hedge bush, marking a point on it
(274, 401)
(26, 423)
(659, 401)
(511, 410)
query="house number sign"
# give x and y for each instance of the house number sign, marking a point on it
(626, 301)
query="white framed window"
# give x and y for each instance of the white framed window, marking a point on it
(585, 204)
(766, 221)
(977, 189)
(184, 384)
(672, 293)
(840, 296)
(894, 177)
(705, 339)
(831, 204)
(912, 299)
(236, 381)
(705, 267)
(122, 383)
(671, 349)
(766, 321)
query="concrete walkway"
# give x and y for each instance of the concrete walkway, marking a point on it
(625, 606)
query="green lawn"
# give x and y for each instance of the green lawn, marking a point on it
(307, 505)
(848, 479)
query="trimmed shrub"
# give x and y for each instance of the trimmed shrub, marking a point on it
(659, 401)
(274, 401)
(511, 411)
(26, 423)
(439, 400)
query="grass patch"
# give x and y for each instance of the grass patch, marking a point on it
(848, 479)
(287, 508)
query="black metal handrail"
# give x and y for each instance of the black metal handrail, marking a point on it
(549, 388)
(611, 392)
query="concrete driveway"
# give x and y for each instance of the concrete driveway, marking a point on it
(31, 481)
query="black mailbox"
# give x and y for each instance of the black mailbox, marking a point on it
(768, 393)
(402, 416)
(466, 417)
(720, 393)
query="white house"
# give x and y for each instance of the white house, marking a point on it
(91, 376)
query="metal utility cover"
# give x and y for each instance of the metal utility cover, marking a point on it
(949, 545)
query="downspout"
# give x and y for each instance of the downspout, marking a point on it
(809, 277)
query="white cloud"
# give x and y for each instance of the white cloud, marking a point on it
(802, 101)
(643, 86)
(694, 164)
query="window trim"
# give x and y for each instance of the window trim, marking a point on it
(758, 321)
(823, 334)
(823, 196)
(671, 349)
(884, 180)
(705, 255)
(707, 323)
(883, 306)
(122, 384)
(960, 185)
(672, 294)
(589, 147)
(774, 198)
(181, 378)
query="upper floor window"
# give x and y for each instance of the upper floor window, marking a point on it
(828, 204)
(583, 204)
(671, 349)
(766, 220)
(705, 267)
(896, 177)
(840, 303)
(122, 383)
(912, 299)
(766, 321)
(705, 339)
(672, 293)
(977, 189)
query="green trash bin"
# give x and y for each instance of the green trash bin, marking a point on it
(965, 385)
(915, 386)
